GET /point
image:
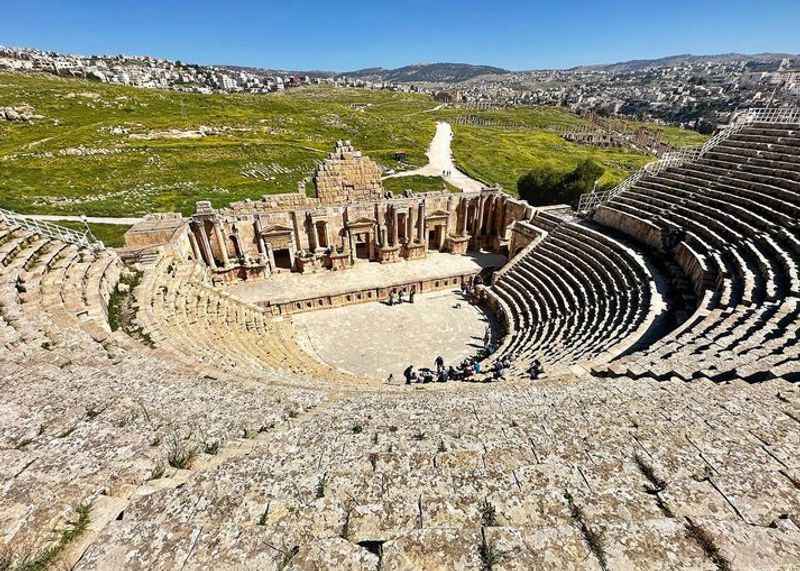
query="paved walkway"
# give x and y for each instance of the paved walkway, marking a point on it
(89, 219)
(287, 286)
(440, 159)
(375, 340)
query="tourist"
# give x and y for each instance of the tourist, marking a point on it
(390, 379)
(439, 363)
(497, 370)
(411, 295)
(391, 298)
(409, 374)
(452, 374)
(535, 369)
(400, 296)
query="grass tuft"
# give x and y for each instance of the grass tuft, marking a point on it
(179, 454)
(707, 544)
(592, 538)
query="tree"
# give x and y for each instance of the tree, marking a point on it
(580, 181)
(545, 186)
(540, 187)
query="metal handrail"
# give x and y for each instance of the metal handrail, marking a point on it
(588, 202)
(54, 231)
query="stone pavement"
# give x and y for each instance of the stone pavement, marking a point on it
(290, 286)
(374, 339)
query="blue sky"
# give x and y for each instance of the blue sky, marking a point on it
(344, 35)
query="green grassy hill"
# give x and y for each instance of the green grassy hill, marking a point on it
(105, 150)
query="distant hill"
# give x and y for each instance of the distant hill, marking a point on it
(641, 64)
(429, 73)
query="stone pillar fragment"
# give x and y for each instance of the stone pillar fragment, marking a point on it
(223, 247)
(206, 245)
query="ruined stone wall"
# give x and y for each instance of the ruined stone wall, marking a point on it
(346, 175)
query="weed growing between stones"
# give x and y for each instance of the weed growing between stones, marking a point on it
(158, 471)
(707, 544)
(488, 514)
(48, 556)
(287, 557)
(656, 484)
(179, 455)
(592, 538)
(320, 489)
(490, 555)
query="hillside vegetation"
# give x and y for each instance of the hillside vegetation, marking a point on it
(105, 150)
(114, 151)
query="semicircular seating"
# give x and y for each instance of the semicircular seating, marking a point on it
(579, 296)
(182, 313)
(730, 219)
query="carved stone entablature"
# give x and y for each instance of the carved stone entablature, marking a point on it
(361, 223)
(437, 215)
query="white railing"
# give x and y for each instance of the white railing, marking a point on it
(54, 231)
(788, 115)
(590, 201)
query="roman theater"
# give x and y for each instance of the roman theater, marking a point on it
(227, 391)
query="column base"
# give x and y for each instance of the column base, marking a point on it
(414, 250)
(389, 254)
(458, 244)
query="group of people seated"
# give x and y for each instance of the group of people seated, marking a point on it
(466, 370)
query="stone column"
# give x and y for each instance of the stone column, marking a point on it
(352, 243)
(421, 224)
(223, 248)
(501, 218)
(195, 248)
(312, 237)
(479, 219)
(206, 245)
(262, 248)
(462, 221)
(395, 229)
(270, 257)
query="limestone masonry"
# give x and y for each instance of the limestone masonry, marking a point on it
(153, 419)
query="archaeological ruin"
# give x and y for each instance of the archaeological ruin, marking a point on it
(227, 391)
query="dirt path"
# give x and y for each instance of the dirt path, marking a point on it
(440, 160)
